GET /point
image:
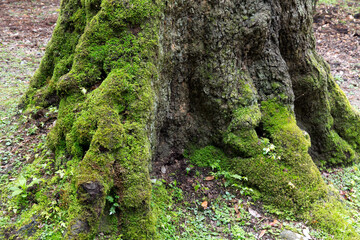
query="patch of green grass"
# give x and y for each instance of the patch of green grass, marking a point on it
(329, 1)
(346, 4)
(17, 66)
(182, 220)
(346, 181)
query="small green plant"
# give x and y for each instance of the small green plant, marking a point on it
(238, 233)
(188, 169)
(53, 109)
(196, 187)
(113, 204)
(228, 196)
(269, 150)
(234, 180)
(338, 79)
(32, 130)
(20, 188)
(176, 192)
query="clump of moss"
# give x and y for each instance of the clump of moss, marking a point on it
(287, 176)
(241, 134)
(331, 216)
(208, 156)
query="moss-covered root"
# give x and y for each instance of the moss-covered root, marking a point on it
(279, 166)
(282, 169)
(117, 155)
(107, 100)
(112, 150)
(335, 130)
(276, 162)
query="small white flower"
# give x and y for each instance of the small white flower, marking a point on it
(83, 90)
(291, 185)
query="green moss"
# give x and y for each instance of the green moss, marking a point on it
(245, 142)
(67, 109)
(285, 174)
(208, 156)
(130, 225)
(240, 134)
(91, 8)
(245, 118)
(57, 60)
(340, 152)
(346, 118)
(103, 79)
(334, 129)
(332, 217)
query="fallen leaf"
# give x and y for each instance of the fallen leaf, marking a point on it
(262, 233)
(274, 223)
(254, 213)
(209, 178)
(204, 204)
(236, 207)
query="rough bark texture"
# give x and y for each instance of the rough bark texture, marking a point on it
(137, 80)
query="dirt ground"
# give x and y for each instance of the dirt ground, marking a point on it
(25, 29)
(337, 33)
(29, 23)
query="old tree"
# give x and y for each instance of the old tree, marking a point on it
(138, 80)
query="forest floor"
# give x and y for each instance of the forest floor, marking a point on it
(337, 33)
(209, 208)
(25, 29)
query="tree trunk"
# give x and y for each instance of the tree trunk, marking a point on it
(139, 80)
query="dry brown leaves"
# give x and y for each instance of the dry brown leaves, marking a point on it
(337, 33)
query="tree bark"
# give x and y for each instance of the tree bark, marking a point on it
(138, 80)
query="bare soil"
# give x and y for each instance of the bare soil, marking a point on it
(29, 23)
(337, 33)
